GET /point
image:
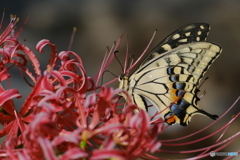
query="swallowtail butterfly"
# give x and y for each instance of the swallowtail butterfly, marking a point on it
(169, 76)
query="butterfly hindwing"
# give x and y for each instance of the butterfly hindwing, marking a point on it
(174, 77)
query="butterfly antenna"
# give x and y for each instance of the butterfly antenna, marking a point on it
(118, 59)
(108, 72)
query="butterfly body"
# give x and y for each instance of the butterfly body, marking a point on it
(169, 77)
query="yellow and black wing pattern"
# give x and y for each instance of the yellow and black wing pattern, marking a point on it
(169, 76)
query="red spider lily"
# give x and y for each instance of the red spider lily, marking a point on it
(13, 121)
(58, 120)
(66, 116)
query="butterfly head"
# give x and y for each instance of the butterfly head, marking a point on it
(123, 82)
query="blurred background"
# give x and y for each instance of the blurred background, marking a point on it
(100, 23)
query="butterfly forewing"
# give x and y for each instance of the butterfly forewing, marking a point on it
(195, 57)
(187, 34)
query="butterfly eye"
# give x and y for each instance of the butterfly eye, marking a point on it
(121, 77)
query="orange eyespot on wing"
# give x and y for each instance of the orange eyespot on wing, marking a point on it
(170, 118)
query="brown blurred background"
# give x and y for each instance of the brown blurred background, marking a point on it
(99, 23)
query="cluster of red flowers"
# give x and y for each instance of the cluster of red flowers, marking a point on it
(58, 120)
(65, 116)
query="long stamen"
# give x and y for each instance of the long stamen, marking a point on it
(108, 58)
(103, 66)
(3, 15)
(203, 138)
(126, 58)
(144, 52)
(72, 38)
(115, 48)
(24, 23)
